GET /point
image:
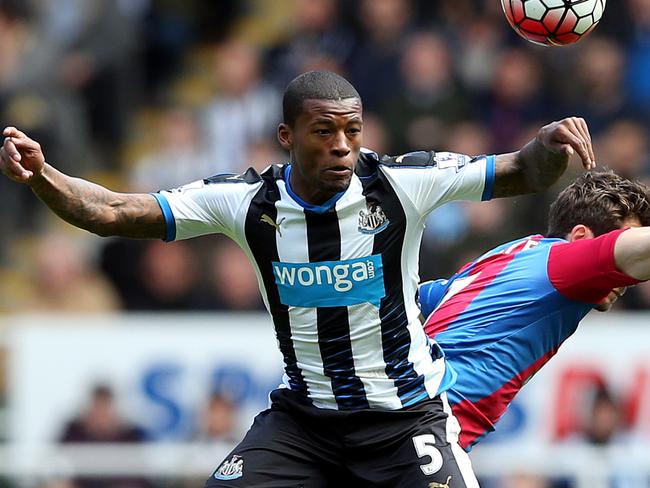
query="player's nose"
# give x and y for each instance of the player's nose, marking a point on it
(340, 145)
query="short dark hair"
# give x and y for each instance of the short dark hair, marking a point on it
(314, 85)
(602, 201)
(102, 391)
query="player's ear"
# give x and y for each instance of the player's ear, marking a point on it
(579, 232)
(285, 136)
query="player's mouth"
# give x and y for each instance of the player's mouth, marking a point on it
(339, 171)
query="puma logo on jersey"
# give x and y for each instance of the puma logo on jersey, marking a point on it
(268, 220)
(435, 484)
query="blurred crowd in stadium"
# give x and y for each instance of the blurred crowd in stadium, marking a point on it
(102, 421)
(143, 95)
(146, 95)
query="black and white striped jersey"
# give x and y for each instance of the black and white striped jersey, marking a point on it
(340, 279)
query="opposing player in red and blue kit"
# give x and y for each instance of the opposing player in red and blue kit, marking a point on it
(500, 318)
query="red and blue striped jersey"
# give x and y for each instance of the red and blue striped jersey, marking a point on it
(500, 318)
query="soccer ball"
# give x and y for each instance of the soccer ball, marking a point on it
(553, 22)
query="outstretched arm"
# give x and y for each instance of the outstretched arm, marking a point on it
(540, 163)
(632, 253)
(79, 202)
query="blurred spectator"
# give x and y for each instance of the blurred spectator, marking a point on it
(638, 51)
(427, 99)
(168, 30)
(100, 423)
(623, 146)
(63, 280)
(168, 275)
(468, 137)
(603, 423)
(153, 275)
(604, 426)
(57, 483)
(232, 284)
(245, 108)
(119, 261)
(263, 152)
(599, 93)
(373, 66)
(317, 33)
(97, 41)
(526, 480)
(480, 44)
(375, 134)
(31, 98)
(217, 420)
(522, 480)
(179, 156)
(516, 98)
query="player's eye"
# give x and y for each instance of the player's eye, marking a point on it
(323, 132)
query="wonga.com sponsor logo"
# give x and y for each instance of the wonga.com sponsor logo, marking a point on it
(330, 283)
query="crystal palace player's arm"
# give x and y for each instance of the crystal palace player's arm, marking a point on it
(632, 253)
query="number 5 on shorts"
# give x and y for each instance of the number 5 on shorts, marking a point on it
(425, 446)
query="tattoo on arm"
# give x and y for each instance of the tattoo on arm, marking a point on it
(529, 170)
(99, 210)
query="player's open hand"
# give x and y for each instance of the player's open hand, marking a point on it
(21, 158)
(568, 137)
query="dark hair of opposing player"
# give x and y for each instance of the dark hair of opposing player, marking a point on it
(600, 200)
(314, 85)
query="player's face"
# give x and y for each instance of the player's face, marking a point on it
(324, 145)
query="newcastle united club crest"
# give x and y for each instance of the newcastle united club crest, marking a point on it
(230, 469)
(373, 220)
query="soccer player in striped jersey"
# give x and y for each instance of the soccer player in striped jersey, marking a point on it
(500, 318)
(333, 236)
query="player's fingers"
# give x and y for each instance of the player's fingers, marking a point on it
(24, 143)
(12, 168)
(9, 165)
(584, 129)
(10, 148)
(13, 132)
(581, 129)
(20, 140)
(567, 133)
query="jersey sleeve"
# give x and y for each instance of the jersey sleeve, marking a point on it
(430, 295)
(207, 206)
(430, 179)
(585, 270)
